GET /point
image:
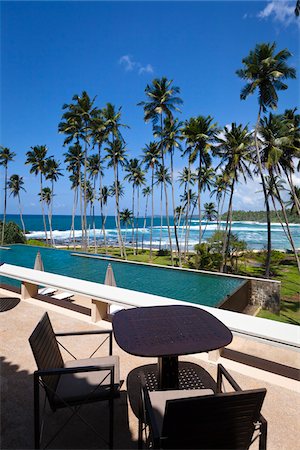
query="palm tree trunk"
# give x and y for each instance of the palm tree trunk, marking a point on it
(269, 245)
(145, 221)
(42, 206)
(137, 221)
(296, 200)
(5, 201)
(161, 221)
(133, 222)
(174, 213)
(152, 214)
(166, 195)
(226, 237)
(93, 214)
(73, 216)
(278, 217)
(189, 226)
(50, 214)
(199, 198)
(21, 215)
(287, 226)
(187, 210)
(84, 199)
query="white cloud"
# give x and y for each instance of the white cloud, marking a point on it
(280, 11)
(129, 64)
(248, 195)
(147, 69)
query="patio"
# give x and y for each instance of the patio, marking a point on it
(280, 408)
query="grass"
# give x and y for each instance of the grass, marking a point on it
(284, 270)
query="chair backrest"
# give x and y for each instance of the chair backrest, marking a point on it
(46, 353)
(221, 421)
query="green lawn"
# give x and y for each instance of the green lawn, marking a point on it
(290, 296)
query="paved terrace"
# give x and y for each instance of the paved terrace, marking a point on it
(281, 406)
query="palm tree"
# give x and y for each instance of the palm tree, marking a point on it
(74, 158)
(77, 124)
(139, 181)
(291, 149)
(151, 160)
(207, 177)
(264, 70)
(234, 149)
(186, 178)
(15, 185)
(52, 173)
(46, 198)
(103, 197)
(100, 135)
(170, 137)
(273, 139)
(126, 217)
(116, 156)
(219, 190)
(188, 199)
(5, 157)
(163, 101)
(199, 133)
(210, 214)
(37, 157)
(274, 184)
(162, 177)
(146, 193)
(291, 201)
(132, 168)
(94, 169)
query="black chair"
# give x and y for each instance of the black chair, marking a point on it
(202, 419)
(72, 383)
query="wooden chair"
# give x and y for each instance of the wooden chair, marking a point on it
(71, 383)
(202, 419)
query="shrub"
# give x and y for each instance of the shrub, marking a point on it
(12, 233)
(163, 252)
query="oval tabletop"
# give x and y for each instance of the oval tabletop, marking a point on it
(169, 331)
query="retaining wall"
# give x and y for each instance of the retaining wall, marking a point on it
(266, 294)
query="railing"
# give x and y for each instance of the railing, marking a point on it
(268, 331)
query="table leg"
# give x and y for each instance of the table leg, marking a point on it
(168, 372)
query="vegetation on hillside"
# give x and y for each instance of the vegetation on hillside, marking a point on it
(260, 216)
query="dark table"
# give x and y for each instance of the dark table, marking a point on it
(167, 332)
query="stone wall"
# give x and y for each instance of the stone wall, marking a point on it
(265, 293)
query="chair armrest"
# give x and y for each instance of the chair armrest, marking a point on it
(80, 333)
(146, 414)
(90, 332)
(66, 370)
(222, 372)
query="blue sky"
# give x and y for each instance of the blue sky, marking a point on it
(52, 50)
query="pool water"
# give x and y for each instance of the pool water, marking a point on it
(192, 287)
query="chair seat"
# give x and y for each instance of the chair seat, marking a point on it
(159, 398)
(87, 386)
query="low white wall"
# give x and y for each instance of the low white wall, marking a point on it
(263, 329)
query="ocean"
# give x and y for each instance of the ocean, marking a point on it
(254, 233)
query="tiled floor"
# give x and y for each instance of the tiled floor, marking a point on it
(281, 407)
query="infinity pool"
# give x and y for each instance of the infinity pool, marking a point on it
(192, 287)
